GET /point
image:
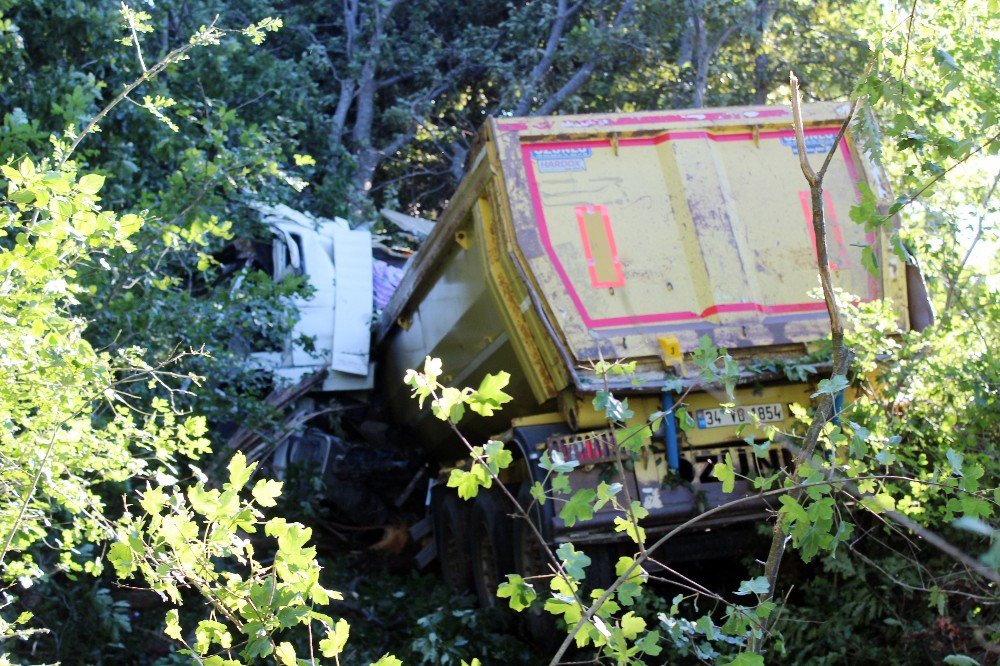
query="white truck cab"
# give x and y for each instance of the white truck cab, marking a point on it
(333, 331)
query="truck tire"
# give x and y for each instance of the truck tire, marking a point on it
(530, 559)
(491, 551)
(601, 571)
(451, 537)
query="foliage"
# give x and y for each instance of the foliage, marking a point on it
(74, 421)
(179, 542)
(600, 617)
(187, 170)
(69, 420)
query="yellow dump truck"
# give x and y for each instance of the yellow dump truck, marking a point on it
(627, 236)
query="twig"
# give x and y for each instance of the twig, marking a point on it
(906, 52)
(841, 354)
(948, 301)
(135, 36)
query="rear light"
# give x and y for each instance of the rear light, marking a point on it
(586, 448)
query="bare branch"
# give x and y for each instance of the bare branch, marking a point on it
(800, 141)
(948, 301)
(541, 68)
(582, 75)
(906, 53)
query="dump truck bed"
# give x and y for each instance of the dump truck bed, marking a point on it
(575, 238)
(683, 224)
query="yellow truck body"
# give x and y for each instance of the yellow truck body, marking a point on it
(631, 236)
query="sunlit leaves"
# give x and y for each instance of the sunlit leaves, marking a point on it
(335, 640)
(519, 593)
(178, 543)
(725, 472)
(266, 491)
(257, 32)
(469, 482)
(91, 183)
(490, 396)
(448, 403)
(629, 525)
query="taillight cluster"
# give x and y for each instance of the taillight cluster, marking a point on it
(586, 448)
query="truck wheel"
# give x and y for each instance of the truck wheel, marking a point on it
(492, 554)
(451, 518)
(601, 572)
(530, 559)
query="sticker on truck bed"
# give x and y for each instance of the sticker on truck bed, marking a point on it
(599, 247)
(817, 143)
(559, 160)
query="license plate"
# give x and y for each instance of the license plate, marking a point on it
(718, 418)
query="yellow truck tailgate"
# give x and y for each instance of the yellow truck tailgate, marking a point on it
(638, 226)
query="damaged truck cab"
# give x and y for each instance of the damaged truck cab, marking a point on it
(575, 239)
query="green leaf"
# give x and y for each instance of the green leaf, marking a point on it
(684, 419)
(632, 625)
(285, 654)
(638, 575)
(633, 437)
(129, 224)
(450, 406)
(173, 627)
(388, 660)
(265, 491)
(613, 408)
(870, 260)
(960, 660)
(257, 647)
(560, 484)
(761, 450)
(606, 493)
(519, 592)
(239, 472)
(832, 386)
(758, 586)
(469, 483)
(122, 559)
(793, 517)
(579, 507)
(553, 461)
(538, 491)
(11, 174)
(23, 197)
(879, 503)
(497, 457)
(335, 640)
(574, 561)
(91, 183)
(955, 460)
(649, 644)
(490, 396)
(747, 659)
(724, 472)
(634, 532)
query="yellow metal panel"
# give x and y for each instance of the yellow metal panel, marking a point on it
(785, 395)
(637, 226)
